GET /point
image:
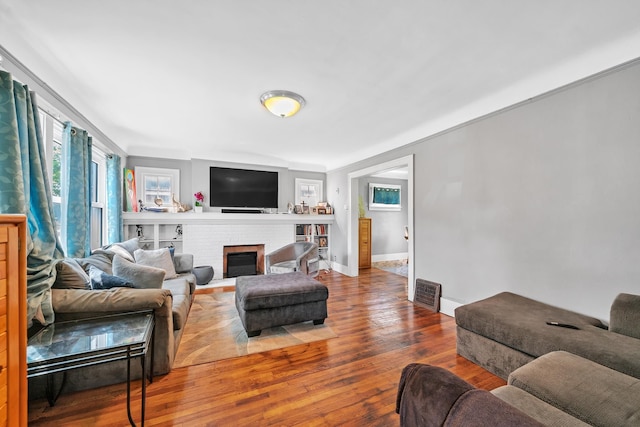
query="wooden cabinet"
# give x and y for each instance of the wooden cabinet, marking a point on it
(364, 243)
(13, 321)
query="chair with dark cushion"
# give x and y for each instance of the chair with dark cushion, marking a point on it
(298, 256)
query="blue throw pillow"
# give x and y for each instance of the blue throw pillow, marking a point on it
(102, 280)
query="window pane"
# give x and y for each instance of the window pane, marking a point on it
(94, 181)
(157, 186)
(96, 227)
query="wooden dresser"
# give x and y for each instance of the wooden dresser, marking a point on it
(13, 320)
(364, 243)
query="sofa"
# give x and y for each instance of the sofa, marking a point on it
(556, 389)
(119, 278)
(506, 331)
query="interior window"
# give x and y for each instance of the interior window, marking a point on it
(157, 186)
(308, 191)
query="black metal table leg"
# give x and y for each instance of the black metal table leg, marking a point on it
(52, 395)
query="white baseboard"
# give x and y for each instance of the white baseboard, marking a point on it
(340, 268)
(447, 307)
(389, 257)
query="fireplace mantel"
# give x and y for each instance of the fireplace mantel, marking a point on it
(222, 218)
(205, 234)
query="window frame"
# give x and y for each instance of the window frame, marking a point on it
(140, 172)
(300, 182)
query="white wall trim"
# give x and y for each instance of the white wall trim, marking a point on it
(342, 269)
(352, 224)
(448, 307)
(390, 257)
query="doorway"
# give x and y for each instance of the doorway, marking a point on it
(352, 225)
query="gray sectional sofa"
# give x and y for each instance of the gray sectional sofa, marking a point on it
(146, 288)
(583, 374)
(506, 331)
(557, 389)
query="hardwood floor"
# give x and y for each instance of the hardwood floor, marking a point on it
(348, 380)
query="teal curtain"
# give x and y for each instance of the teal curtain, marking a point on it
(114, 199)
(76, 191)
(24, 189)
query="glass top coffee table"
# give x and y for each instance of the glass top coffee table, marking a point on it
(63, 346)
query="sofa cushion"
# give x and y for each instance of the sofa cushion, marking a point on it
(140, 276)
(100, 259)
(180, 290)
(625, 315)
(159, 258)
(547, 414)
(584, 389)
(102, 280)
(130, 245)
(70, 275)
(119, 250)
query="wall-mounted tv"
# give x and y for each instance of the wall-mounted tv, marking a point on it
(242, 188)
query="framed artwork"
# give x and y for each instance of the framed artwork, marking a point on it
(305, 209)
(297, 209)
(384, 197)
(322, 211)
(131, 197)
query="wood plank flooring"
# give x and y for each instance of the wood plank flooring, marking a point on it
(349, 380)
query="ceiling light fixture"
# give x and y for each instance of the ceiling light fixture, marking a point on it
(282, 103)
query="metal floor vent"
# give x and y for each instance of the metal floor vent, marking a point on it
(427, 294)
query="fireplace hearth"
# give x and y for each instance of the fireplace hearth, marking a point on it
(241, 264)
(243, 260)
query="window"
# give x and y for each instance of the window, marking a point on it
(98, 197)
(308, 191)
(157, 186)
(52, 129)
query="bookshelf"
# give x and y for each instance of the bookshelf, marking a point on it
(318, 233)
(155, 236)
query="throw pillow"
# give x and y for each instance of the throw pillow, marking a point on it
(102, 280)
(130, 245)
(159, 258)
(119, 250)
(140, 276)
(100, 259)
(70, 275)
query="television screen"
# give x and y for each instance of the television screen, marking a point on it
(243, 188)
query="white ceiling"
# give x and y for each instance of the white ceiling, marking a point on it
(182, 79)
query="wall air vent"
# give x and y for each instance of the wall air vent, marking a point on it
(427, 295)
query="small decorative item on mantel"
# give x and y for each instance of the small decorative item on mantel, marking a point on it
(199, 200)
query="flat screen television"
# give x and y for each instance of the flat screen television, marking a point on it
(242, 188)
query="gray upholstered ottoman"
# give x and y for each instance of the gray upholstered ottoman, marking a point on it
(266, 301)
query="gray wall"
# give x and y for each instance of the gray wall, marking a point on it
(387, 227)
(542, 199)
(194, 177)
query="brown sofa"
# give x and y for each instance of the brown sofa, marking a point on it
(170, 303)
(557, 389)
